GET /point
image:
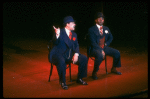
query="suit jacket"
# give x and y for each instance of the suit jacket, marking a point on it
(64, 46)
(94, 36)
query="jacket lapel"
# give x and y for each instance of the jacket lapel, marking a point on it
(96, 30)
(104, 28)
(66, 38)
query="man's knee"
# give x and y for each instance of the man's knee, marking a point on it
(83, 58)
(99, 57)
(58, 60)
(117, 54)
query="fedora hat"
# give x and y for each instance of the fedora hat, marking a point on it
(98, 15)
(68, 19)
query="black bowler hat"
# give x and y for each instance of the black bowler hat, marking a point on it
(68, 19)
(98, 15)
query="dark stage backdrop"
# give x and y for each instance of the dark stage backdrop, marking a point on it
(128, 21)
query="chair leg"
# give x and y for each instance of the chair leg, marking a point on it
(50, 72)
(70, 72)
(106, 65)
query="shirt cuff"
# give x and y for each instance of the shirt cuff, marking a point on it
(57, 35)
(77, 54)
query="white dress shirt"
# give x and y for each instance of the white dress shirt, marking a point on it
(99, 27)
(99, 30)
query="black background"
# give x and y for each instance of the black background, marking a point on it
(127, 21)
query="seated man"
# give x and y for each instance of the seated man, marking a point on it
(100, 38)
(66, 50)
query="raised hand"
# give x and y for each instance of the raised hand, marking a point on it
(57, 30)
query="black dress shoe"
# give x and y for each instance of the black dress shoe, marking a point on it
(94, 76)
(116, 72)
(64, 86)
(80, 81)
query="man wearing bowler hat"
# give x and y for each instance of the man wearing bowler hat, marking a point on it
(100, 38)
(66, 50)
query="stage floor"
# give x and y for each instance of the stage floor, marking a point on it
(26, 71)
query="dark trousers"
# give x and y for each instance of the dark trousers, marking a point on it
(61, 62)
(108, 51)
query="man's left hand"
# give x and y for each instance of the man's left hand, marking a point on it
(103, 53)
(75, 58)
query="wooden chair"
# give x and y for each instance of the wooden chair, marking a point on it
(50, 46)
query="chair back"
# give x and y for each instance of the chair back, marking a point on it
(88, 45)
(49, 46)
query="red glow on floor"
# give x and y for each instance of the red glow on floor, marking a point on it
(26, 75)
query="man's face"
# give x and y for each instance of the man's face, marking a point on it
(99, 21)
(71, 25)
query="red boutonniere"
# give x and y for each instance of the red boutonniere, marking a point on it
(74, 38)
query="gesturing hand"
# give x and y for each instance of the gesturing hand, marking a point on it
(75, 58)
(57, 30)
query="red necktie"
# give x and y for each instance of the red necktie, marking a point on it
(70, 35)
(101, 30)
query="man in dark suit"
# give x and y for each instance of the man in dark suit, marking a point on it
(100, 38)
(66, 50)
